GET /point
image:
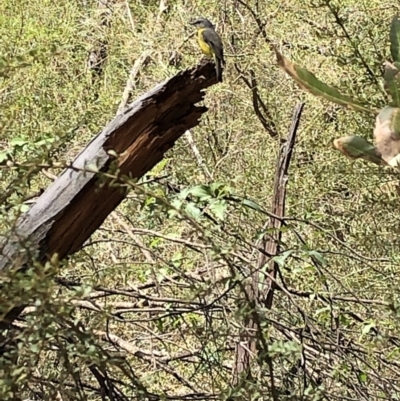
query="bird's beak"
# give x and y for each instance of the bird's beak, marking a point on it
(192, 22)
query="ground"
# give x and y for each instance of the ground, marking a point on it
(333, 332)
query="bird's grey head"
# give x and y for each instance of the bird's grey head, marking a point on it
(202, 23)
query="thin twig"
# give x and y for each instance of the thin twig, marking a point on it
(128, 9)
(264, 117)
(200, 161)
(140, 61)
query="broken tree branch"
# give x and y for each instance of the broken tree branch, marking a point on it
(271, 242)
(78, 202)
(256, 293)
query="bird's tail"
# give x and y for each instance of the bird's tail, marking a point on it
(218, 68)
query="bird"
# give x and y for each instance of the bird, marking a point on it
(210, 43)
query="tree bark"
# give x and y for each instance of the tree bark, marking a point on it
(78, 202)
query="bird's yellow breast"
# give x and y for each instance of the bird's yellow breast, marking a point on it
(203, 45)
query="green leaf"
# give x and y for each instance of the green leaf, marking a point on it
(252, 205)
(280, 259)
(392, 83)
(367, 328)
(158, 168)
(356, 147)
(154, 244)
(193, 211)
(219, 209)
(218, 189)
(149, 200)
(318, 257)
(176, 204)
(395, 38)
(308, 81)
(3, 156)
(17, 141)
(184, 193)
(201, 191)
(24, 208)
(362, 376)
(216, 186)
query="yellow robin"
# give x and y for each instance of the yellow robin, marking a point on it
(210, 43)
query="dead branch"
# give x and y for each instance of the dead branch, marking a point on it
(246, 348)
(78, 202)
(200, 161)
(142, 60)
(260, 109)
(271, 243)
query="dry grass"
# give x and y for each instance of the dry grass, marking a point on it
(346, 212)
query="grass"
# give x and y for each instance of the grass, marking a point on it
(345, 213)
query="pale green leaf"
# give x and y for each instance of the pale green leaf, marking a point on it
(200, 191)
(395, 38)
(253, 205)
(318, 257)
(281, 259)
(356, 147)
(192, 210)
(367, 328)
(363, 377)
(3, 156)
(24, 208)
(17, 141)
(392, 83)
(308, 81)
(158, 168)
(184, 193)
(219, 208)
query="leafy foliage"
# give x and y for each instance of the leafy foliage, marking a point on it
(154, 306)
(387, 127)
(310, 82)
